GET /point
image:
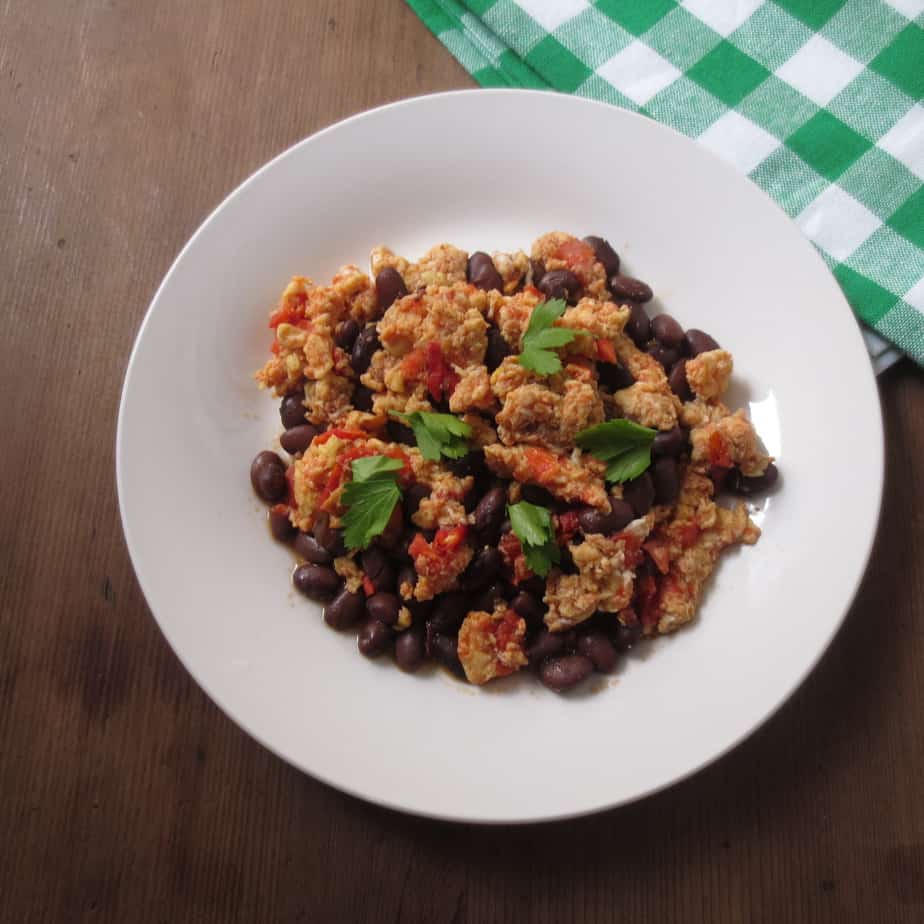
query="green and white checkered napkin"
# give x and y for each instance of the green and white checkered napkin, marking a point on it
(817, 101)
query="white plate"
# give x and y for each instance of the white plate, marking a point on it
(720, 255)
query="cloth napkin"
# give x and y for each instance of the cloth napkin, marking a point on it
(817, 101)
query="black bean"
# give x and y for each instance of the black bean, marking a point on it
(407, 576)
(626, 636)
(638, 327)
(669, 442)
(482, 273)
(345, 334)
(268, 477)
(292, 411)
(399, 433)
(665, 329)
(299, 438)
(595, 645)
(565, 671)
(483, 567)
(534, 585)
(389, 286)
(311, 550)
(412, 498)
(667, 356)
(377, 567)
(384, 607)
(604, 254)
(490, 511)
(394, 530)
(747, 485)
(345, 610)
(280, 525)
(374, 638)
(594, 521)
(537, 270)
(362, 398)
(328, 537)
(614, 376)
(366, 344)
(498, 349)
(639, 493)
(470, 464)
(566, 562)
(486, 598)
(543, 646)
(534, 494)
(666, 478)
(316, 581)
(560, 284)
(569, 640)
(698, 341)
(526, 605)
(678, 381)
(445, 649)
(449, 612)
(634, 290)
(409, 649)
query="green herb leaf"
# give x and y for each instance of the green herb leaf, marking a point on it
(541, 338)
(370, 499)
(437, 434)
(629, 464)
(367, 467)
(532, 525)
(623, 445)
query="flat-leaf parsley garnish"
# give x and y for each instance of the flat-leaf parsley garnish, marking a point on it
(437, 434)
(370, 499)
(623, 445)
(541, 338)
(532, 525)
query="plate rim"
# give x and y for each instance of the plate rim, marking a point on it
(381, 799)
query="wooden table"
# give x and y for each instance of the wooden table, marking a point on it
(126, 795)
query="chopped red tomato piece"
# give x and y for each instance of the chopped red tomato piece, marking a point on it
(432, 558)
(414, 364)
(687, 534)
(606, 351)
(290, 311)
(368, 586)
(566, 526)
(718, 450)
(542, 463)
(647, 600)
(441, 379)
(576, 254)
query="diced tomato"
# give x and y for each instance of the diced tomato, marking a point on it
(647, 599)
(566, 526)
(341, 434)
(576, 254)
(506, 630)
(433, 558)
(275, 347)
(414, 364)
(632, 548)
(441, 379)
(368, 586)
(542, 463)
(512, 553)
(686, 534)
(606, 351)
(660, 554)
(291, 310)
(333, 482)
(718, 450)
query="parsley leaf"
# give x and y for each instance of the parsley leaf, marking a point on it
(437, 434)
(370, 499)
(532, 525)
(541, 338)
(623, 445)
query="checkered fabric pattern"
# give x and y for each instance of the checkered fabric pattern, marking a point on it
(817, 101)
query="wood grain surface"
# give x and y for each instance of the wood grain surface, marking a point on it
(125, 795)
